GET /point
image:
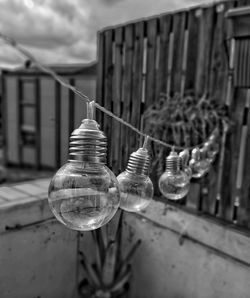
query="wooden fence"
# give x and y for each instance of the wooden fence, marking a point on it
(176, 52)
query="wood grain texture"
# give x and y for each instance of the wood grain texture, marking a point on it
(108, 78)
(137, 83)
(206, 31)
(184, 51)
(127, 84)
(161, 76)
(179, 20)
(193, 28)
(117, 99)
(151, 62)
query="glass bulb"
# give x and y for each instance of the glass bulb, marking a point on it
(135, 185)
(199, 163)
(84, 194)
(184, 166)
(136, 191)
(213, 147)
(174, 183)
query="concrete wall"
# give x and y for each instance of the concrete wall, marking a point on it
(38, 255)
(185, 256)
(181, 255)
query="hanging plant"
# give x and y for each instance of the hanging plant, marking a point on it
(184, 122)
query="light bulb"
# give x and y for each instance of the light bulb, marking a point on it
(213, 146)
(211, 154)
(174, 183)
(135, 185)
(84, 194)
(184, 166)
(199, 163)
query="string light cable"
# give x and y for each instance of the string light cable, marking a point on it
(27, 55)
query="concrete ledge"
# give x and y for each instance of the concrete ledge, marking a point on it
(202, 230)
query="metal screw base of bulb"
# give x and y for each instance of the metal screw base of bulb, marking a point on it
(173, 162)
(88, 143)
(139, 162)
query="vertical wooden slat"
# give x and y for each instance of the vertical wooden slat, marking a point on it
(137, 83)
(244, 208)
(20, 120)
(108, 78)
(64, 129)
(238, 105)
(48, 132)
(219, 59)
(4, 118)
(57, 123)
(206, 23)
(179, 33)
(193, 197)
(193, 28)
(151, 62)
(117, 93)
(38, 122)
(71, 107)
(100, 75)
(164, 31)
(217, 90)
(127, 89)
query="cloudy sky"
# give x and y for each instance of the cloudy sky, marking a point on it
(64, 31)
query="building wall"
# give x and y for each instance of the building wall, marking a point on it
(58, 111)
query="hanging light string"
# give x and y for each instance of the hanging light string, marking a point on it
(24, 52)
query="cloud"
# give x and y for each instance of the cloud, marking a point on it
(65, 31)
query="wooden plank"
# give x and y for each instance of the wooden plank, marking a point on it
(117, 97)
(38, 122)
(206, 31)
(193, 28)
(127, 85)
(164, 31)
(179, 20)
(108, 77)
(151, 62)
(137, 84)
(20, 120)
(243, 217)
(4, 117)
(100, 75)
(64, 129)
(238, 106)
(219, 59)
(71, 107)
(57, 124)
(193, 197)
(48, 136)
(217, 91)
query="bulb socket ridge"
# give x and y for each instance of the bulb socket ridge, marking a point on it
(139, 162)
(88, 143)
(184, 157)
(173, 162)
(196, 155)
